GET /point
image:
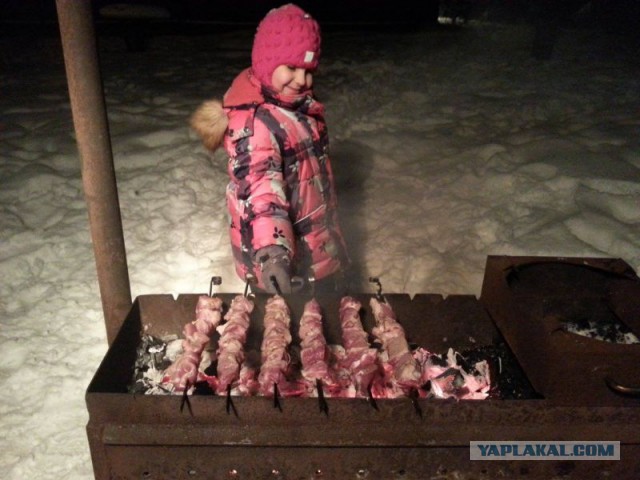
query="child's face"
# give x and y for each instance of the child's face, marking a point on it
(290, 80)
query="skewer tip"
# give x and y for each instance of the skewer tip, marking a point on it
(322, 402)
(276, 397)
(371, 399)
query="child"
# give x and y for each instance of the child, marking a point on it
(281, 197)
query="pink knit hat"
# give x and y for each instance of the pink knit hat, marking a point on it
(285, 36)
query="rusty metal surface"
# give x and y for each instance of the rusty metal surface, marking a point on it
(98, 173)
(351, 422)
(529, 298)
(374, 463)
(150, 437)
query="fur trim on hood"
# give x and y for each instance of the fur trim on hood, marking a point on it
(210, 122)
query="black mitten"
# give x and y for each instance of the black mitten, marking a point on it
(275, 268)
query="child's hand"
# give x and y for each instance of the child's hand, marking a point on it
(276, 279)
(274, 265)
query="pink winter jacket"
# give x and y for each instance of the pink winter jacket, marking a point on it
(282, 187)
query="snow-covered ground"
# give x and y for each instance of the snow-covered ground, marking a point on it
(448, 146)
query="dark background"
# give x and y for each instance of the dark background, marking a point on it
(548, 18)
(617, 14)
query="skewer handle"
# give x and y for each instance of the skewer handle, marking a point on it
(628, 390)
(215, 280)
(376, 280)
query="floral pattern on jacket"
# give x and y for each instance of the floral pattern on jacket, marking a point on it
(282, 187)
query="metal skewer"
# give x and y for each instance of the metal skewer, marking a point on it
(312, 286)
(249, 283)
(376, 280)
(230, 405)
(414, 395)
(276, 397)
(371, 400)
(185, 399)
(322, 402)
(296, 284)
(275, 284)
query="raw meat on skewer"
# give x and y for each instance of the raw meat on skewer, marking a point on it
(353, 369)
(247, 382)
(314, 352)
(275, 350)
(359, 359)
(233, 335)
(183, 373)
(404, 370)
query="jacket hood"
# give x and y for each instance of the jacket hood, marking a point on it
(210, 120)
(245, 89)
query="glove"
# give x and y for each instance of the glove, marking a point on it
(345, 281)
(275, 268)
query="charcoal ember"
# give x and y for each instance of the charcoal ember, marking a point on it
(174, 349)
(203, 388)
(149, 351)
(212, 368)
(508, 380)
(464, 363)
(607, 331)
(589, 317)
(151, 360)
(138, 387)
(451, 375)
(440, 360)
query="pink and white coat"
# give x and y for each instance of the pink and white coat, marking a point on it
(282, 188)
